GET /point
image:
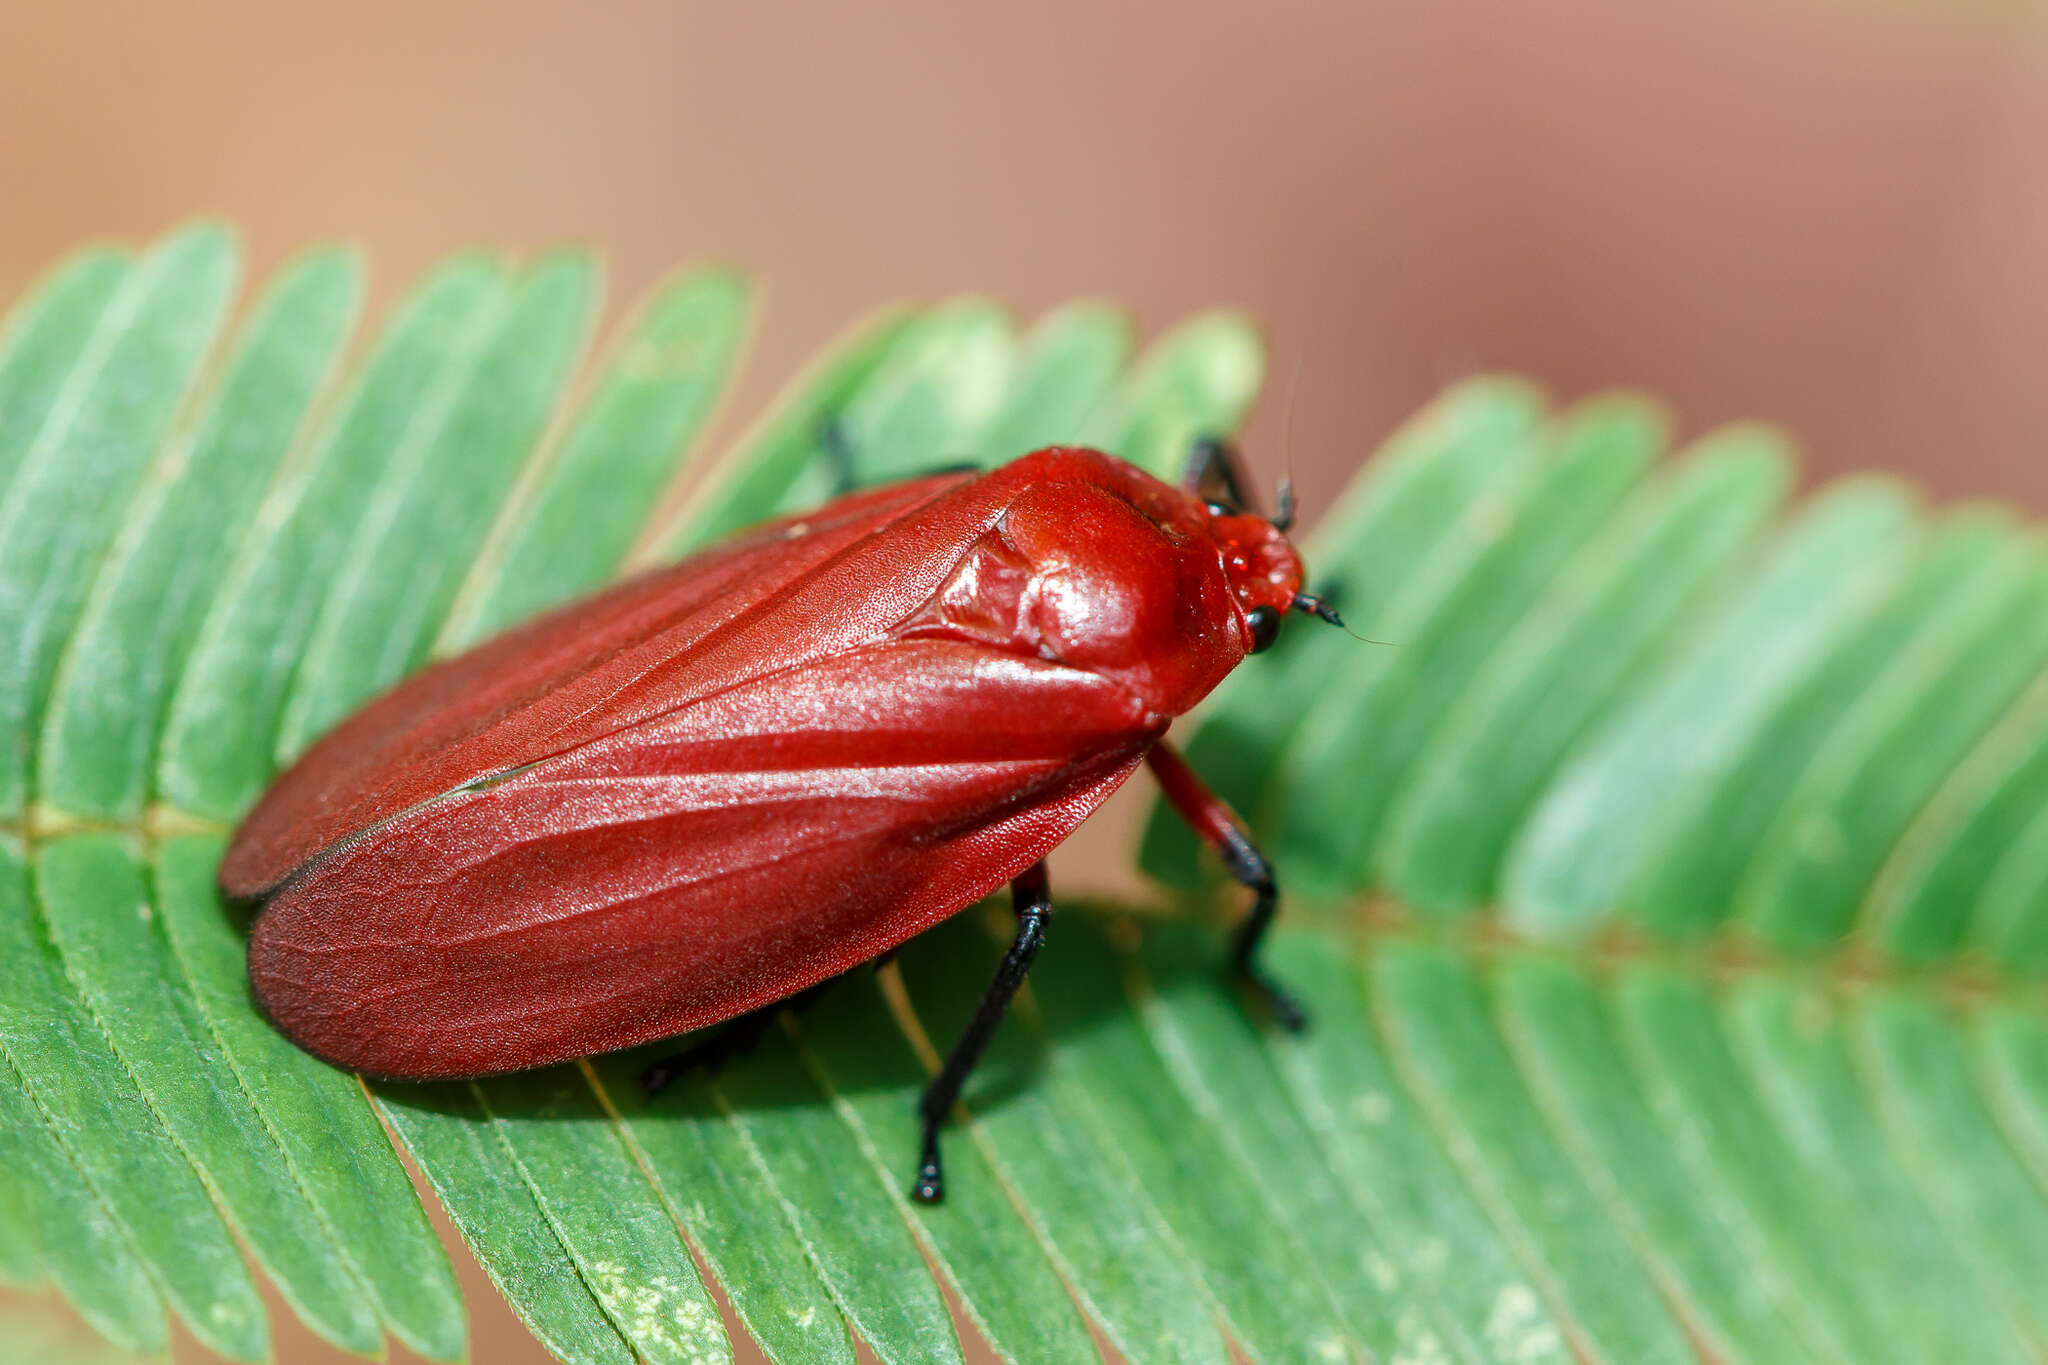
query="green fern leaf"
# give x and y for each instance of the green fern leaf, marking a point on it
(1670, 873)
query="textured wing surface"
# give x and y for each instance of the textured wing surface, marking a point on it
(717, 856)
(776, 598)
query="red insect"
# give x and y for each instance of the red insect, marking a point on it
(717, 785)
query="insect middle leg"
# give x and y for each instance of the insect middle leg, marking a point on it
(1031, 899)
(1220, 828)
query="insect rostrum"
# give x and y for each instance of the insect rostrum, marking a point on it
(724, 782)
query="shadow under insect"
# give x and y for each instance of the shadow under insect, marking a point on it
(846, 1072)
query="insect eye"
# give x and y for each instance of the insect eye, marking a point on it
(1221, 509)
(1265, 624)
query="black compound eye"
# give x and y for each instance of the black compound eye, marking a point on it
(1265, 624)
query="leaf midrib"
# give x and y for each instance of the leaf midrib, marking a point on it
(1724, 958)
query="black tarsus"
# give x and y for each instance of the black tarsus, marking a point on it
(1031, 900)
(1252, 871)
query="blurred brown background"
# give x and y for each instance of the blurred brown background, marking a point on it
(1828, 213)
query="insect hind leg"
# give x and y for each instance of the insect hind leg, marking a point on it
(839, 457)
(733, 1038)
(843, 461)
(1031, 899)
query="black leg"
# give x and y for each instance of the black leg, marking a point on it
(845, 467)
(839, 456)
(1249, 866)
(1210, 818)
(1211, 473)
(733, 1038)
(1031, 898)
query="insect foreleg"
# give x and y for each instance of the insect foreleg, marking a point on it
(1031, 899)
(1220, 828)
(1210, 472)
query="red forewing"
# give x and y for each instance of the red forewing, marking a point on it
(706, 862)
(561, 680)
